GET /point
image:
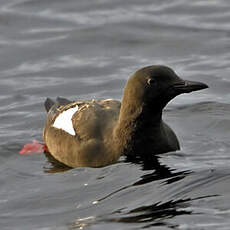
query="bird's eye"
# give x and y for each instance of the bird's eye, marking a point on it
(151, 81)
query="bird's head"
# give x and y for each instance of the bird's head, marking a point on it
(156, 85)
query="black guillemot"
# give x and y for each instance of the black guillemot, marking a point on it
(96, 133)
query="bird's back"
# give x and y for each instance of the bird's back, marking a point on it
(86, 141)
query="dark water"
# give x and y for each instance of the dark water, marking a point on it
(88, 49)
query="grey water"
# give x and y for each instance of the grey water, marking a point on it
(88, 49)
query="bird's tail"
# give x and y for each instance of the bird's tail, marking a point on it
(59, 101)
(48, 104)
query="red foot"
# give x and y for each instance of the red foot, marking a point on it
(33, 147)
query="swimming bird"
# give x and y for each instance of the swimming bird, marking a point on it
(95, 133)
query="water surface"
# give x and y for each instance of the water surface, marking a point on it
(85, 49)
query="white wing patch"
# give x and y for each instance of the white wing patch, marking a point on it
(64, 120)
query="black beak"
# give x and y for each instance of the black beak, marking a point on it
(185, 86)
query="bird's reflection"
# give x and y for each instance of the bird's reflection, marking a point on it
(155, 214)
(54, 166)
(148, 216)
(157, 170)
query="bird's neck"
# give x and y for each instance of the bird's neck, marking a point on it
(135, 120)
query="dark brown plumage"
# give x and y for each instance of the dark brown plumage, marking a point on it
(103, 130)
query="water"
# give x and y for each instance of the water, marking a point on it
(85, 49)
